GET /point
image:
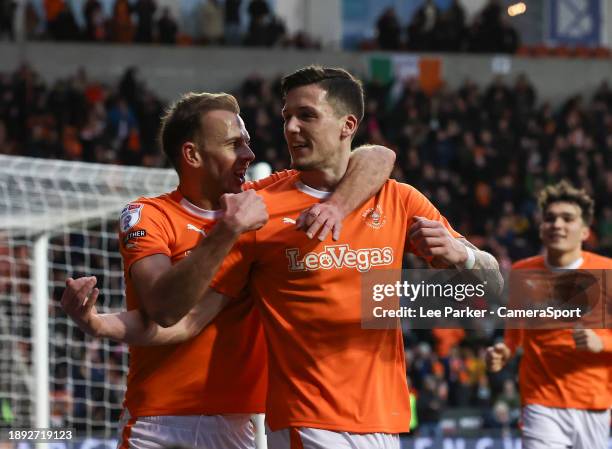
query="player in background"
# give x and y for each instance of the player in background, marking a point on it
(565, 376)
(200, 392)
(335, 384)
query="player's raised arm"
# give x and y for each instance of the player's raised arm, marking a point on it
(168, 292)
(432, 240)
(369, 168)
(132, 327)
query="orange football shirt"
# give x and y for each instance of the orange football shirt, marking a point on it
(220, 371)
(552, 372)
(325, 371)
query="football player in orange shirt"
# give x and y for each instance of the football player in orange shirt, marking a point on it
(334, 383)
(199, 392)
(565, 375)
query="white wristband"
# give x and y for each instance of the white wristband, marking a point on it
(471, 259)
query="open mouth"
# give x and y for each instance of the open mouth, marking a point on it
(240, 175)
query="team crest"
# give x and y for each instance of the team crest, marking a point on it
(374, 217)
(130, 215)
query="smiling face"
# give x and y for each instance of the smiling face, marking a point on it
(562, 229)
(225, 151)
(315, 132)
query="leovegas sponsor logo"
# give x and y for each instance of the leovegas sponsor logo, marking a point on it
(339, 256)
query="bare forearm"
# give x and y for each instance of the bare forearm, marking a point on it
(369, 168)
(486, 268)
(134, 328)
(177, 291)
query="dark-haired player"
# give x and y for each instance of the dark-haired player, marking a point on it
(565, 375)
(332, 383)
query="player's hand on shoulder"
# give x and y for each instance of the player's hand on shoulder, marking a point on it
(433, 241)
(244, 211)
(587, 340)
(319, 219)
(497, 356)
(78, 301)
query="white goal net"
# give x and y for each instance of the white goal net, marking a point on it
(59, 219)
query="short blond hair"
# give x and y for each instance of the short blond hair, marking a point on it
(182, 121)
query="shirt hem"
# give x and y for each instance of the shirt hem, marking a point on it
(184, 412)
(359, 429)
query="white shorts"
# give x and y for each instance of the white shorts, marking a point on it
(563, 428)
(195, 431)
(310, 438)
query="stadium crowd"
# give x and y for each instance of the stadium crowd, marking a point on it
(479, 154)
(433, 29)
(220, 23)
(215, 22)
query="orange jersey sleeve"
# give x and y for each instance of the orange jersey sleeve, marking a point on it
(198, 376)
(417, 205)
(143, 231)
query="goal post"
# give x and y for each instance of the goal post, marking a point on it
(60, 219)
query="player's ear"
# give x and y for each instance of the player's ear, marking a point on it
(191, 155)
(586, 232)
(349, 127)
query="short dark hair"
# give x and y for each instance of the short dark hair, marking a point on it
(565, 192)
(344, 91)
(182, 121)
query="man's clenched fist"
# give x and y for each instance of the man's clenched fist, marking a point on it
(587, 340)
(245, 211)
(432, 241)
(497, 357)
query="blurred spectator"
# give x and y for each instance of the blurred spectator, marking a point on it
(510, 41)
(422, 30)
(145, 11)
(499, 418)
(167, 27)
(7, 18)
(431, 402)
(31, 21)
(212, 22)
(492, 32)
(259, 12)
(451, 32)
(95, 22)
(122, 28)
(233, 33)
(60, 21)
(389, 30)
(446, 339)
